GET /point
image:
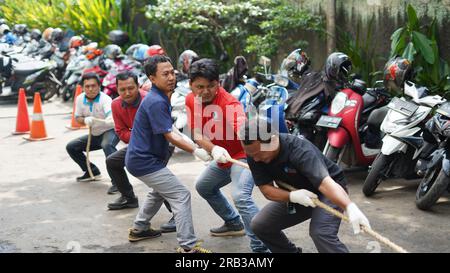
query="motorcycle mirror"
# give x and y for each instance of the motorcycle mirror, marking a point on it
(264, 61)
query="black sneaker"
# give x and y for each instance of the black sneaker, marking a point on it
(113, 189)
(135, 235)
(169, 226)
(229, 229)
(123, 203)
(86, 177)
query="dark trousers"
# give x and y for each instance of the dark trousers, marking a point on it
(269, 223)
(115, 164)
(106, 141)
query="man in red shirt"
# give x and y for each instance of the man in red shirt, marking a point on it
(214, 118)
(124, 109)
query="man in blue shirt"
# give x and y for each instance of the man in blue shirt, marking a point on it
(147, 155)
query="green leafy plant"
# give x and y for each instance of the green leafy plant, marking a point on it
(418, 43)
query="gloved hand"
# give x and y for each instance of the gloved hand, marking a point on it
(302, 197)
(356, 217)
(220, 154)
(89, 121)
(202, 154)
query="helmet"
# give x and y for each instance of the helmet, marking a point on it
(185, 60)
(20, 29)
(338, 66)
(57, 35)
(92, 52)
(112, 51)
(36, 34)
(76, 42)
(47, 34)
(4, 28)
(296, 63)
(396, 71)
(130, 51)
(118, 37)
(140, 53)
(154, 50)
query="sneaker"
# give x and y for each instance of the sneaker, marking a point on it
(195, 249)
(86, 177)
(135, 235)
(123, 203)
(169, 226)
(113, 189)
(229, 229)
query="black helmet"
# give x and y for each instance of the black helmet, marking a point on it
(296, 63)
(112, 51)
(185, 60)
(338, 66)
(20, 29)
(396, 71)
(57, 35)
(118, 37)
(35, 34)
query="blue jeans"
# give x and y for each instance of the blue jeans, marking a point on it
(208, 186)
(106, 141)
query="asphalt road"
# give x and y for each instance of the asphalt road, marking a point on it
(43, 209)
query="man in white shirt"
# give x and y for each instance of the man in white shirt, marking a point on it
(93, 108)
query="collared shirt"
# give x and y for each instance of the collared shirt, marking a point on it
(226, 124)
(123, 114)
(299, 164)
(148, 149)
(99, 108)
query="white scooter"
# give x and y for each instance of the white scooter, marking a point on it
(403, 127)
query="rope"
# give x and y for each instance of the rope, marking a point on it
(334, 212)
(88, 147)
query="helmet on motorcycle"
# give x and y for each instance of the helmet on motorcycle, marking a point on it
(47, 34)
(118, 37)
(130, 51)
(140, 53)
(338, 66)
(20, 29)
(4, 28)
(184, 61)
(76, 42)
(154, 50)
(57, 35)
(112, 51)
(35, 34)
(92, 52)
(396, 71)
(296, 63)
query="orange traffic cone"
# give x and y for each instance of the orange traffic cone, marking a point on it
(37, 124)
(74, 125)
(23, 120)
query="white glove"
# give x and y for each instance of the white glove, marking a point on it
(202, 154)
(302, 197)
(89, 121)
(356, 217)
(220, 154)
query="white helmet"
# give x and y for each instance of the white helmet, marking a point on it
(3, 28)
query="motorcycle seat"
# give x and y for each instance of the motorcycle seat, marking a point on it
(28, 68)
(368, 100)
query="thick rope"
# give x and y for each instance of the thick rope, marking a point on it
(334, 212)
(88, 148)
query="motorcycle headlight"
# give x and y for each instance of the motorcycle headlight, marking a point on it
(338, 103)
(281, 81)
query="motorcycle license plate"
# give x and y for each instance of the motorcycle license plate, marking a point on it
(329, 122)
(405, 107)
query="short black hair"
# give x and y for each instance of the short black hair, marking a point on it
(257, 129)
(125, 75)
(89, 76)
(151, 65)
(204, 68)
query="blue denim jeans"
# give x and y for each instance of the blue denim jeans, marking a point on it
(208, 186)
(106, 141)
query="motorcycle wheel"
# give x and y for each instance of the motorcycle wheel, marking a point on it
(377, 173)
(333, 153)
(66, 93)
(50, 89)
(431, 188)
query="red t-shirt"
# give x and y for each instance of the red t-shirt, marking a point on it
(123, 115)
(219, 121)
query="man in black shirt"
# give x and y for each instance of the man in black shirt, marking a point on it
(296, 161)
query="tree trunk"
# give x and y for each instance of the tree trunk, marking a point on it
(331, 26)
